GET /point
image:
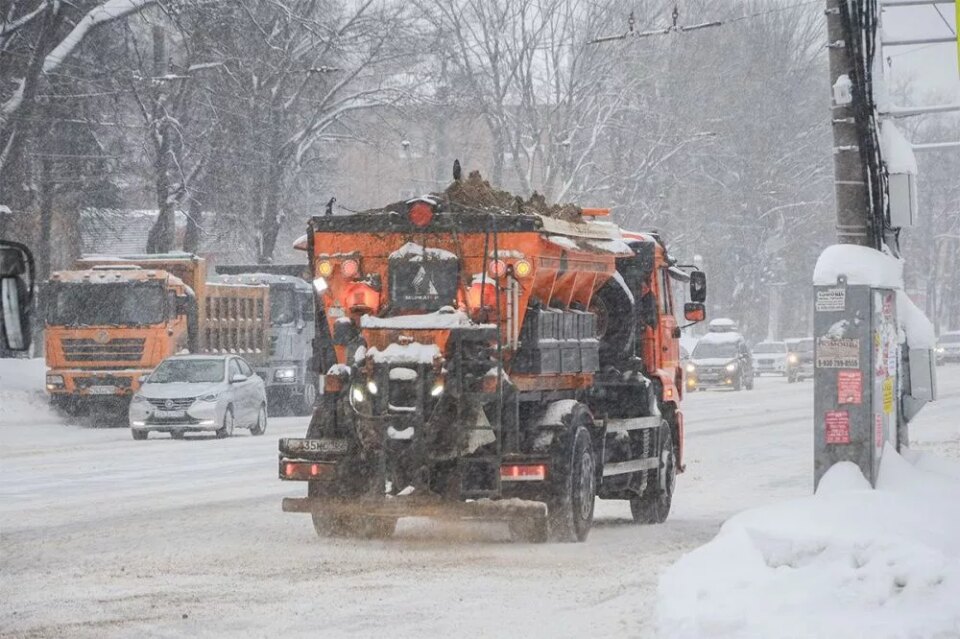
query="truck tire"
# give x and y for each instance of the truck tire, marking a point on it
(653, 506)
(574, 485)
(227, 429)
(139, 435)
(309, 396)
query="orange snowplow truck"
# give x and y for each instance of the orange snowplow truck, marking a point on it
(490, 365)
(112, 320)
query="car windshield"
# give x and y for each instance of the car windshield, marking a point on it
(191, 371)
(950, 339)
(283, 305)
(102, 304)
(714, 350)
(769, 347)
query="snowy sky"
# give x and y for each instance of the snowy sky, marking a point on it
(934, 67)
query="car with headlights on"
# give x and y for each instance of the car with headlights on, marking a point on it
(800, 357)
(199, 393)
(948, 347)
(721, 359)
(773, 358)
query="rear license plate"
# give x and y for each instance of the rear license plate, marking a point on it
(102, 390)
(169, 413)
(325, 445)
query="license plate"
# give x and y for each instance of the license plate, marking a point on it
(326, 445)
(102, 390)
(169, 413)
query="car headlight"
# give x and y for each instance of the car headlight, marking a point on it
(691, 368)
(939, 349)
(792, 358)
(55, 380)
(209, 397)
(285, 374)
(732, 367)
(136, 399)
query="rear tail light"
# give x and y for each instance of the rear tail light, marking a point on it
(305, 470)
(523, 472)
(350, 268)
(497, 268)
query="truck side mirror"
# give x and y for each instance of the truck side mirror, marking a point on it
(16, 294)
(698, 287)
(694, 312)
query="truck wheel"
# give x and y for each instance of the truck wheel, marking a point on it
(749, 382)
(653, 506)
(139, 435)
(574, 490)
(261, 426)
(309, 396)
(227, 429)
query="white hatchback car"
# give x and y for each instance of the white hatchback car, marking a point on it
(196, 393)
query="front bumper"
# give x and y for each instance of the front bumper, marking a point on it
(199, 417)
(712, 379)
(78, 383)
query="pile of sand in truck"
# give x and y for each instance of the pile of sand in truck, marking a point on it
(476, 194)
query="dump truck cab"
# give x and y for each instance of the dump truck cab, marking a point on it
(488, 364)
(107, 326)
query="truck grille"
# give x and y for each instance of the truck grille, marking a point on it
(175, 403)
(116, 350)
(102, 380)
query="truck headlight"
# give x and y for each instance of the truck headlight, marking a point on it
(691, 368)
(357, 394)
(437, 389)
(285, 375)
(54, 381)
(732, 366)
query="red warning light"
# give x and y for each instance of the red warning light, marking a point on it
(420, 213)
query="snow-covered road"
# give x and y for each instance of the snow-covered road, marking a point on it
(106, 537)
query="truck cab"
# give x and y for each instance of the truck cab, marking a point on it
(106, 327)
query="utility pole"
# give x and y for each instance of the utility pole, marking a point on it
(854, 224)
(162, 235)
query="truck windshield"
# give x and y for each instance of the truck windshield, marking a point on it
(103, 304)
(191, 371)
(283, 305)
(710, 350)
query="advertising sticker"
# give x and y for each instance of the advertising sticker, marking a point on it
(849, 387)
(831, 299)
(834, 352)
(837, 424)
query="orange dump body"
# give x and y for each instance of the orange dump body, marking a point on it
(518, 266)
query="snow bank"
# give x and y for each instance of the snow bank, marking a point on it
(848, 561)
(22, 397)
(860, 264)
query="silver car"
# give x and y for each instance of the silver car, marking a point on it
(197, 393)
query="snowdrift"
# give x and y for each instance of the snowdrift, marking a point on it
(846, 562)
(22, 398)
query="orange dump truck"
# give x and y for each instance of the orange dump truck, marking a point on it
(492, 365)
(111, 320)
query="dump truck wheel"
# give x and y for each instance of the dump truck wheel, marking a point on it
(227, 429)
(653, 506)
(570, 509)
